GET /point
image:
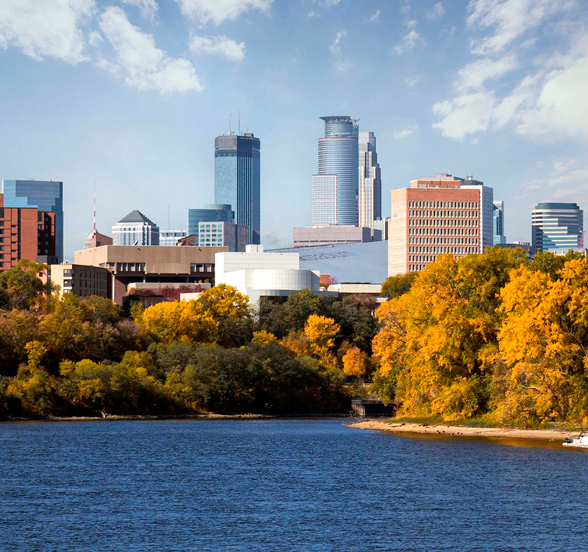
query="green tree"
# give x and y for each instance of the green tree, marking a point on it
(21, 286)
(394, 286)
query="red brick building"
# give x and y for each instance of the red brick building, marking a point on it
(25, 233)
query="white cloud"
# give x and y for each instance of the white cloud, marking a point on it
(567, 180)
(437, 12)
(374, 17)
(407, 42)
(342, 66)
(139, 62)
(217, 45)
(148, 8)
(335, 49)
(509, 20)
(405, 8)
(412, 81)
(406, 132)
(465, 114)
(474, 75)
(47, 28)
(312, 14)
(217, 11)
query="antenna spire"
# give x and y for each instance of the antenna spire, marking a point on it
(94, 207)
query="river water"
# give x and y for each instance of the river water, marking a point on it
(278, 485)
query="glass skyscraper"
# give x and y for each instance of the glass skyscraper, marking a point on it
(498, 222)
(369, 198)
(337, 156)
(210, 213)
(46, 196)
(237, 179)
(557, 227)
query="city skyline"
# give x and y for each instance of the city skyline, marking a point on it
(131, 95)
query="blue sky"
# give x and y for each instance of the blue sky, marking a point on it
(131, 93)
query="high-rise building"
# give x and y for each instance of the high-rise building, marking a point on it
(219, 234)
(334, 188)
(369, 190)
(557, 227)
(135, 229)
(47, 197)
(237, 179)
(498, 223)
(214, 212)
(435, 215)
(171, 237)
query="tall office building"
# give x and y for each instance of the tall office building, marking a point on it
(215, 212)
(135, 229)
(498, 223)
(369, 190)
(171, 237)
(237, 179)
(436, 215)
(26, 233)
(46, 196)
(557, 227)
(334, 188)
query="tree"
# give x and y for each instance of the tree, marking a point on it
(321, 331)
(230, 310)
(178, 321)
(355, 362)
(395, 286)
(21, 287)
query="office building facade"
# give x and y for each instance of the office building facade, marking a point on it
(237, 179)
(26, 233)
(215, 212)
(436, 215)
(79, 280)
(369, 186)
(336, 234)
(219, 234)
(135, 229)
(47, 197)
(171, 237)
(557, 227)
(338, 159)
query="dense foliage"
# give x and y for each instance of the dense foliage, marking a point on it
(490, 335)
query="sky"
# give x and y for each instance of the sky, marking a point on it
(128, 95)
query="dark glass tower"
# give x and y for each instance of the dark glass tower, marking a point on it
(557, 227)
(237, 179)
(46, 196)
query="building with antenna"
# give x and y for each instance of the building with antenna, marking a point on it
(135, 229)
(237, 179)
(369, 190)
(334, 188)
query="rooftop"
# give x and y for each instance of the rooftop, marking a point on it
(136, 216)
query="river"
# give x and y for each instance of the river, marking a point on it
(279, 485)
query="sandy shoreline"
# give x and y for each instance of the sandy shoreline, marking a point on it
(462, 431)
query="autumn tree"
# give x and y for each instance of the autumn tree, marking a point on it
(355, 362)
(21, 286)
(178, 321)
(230, 310)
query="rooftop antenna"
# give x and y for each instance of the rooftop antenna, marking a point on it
(94, 207)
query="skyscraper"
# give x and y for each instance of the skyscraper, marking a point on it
(46, 196)
(498, 222)
(557, 226)
(334, 188)
(369, 190)
(237, 179)
(135, 229)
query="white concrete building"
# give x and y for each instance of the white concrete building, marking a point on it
(259, 274)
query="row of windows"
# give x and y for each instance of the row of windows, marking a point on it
(442, 214)
(443, 204)
(432, 258)
(442, 249)
(201, 267)
(443, 232)
(443, 222)
(444, 241)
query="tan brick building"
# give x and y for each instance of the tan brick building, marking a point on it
(436, 215)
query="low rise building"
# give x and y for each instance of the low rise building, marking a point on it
(334, 234)
(151, 264)
(80, 280)
(256, 273)
(171, 237)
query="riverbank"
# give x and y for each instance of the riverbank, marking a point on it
(463, 431)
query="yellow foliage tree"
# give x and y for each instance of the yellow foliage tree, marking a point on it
(263, 337)
(321, 331)
(178, 321)
(355, 362)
